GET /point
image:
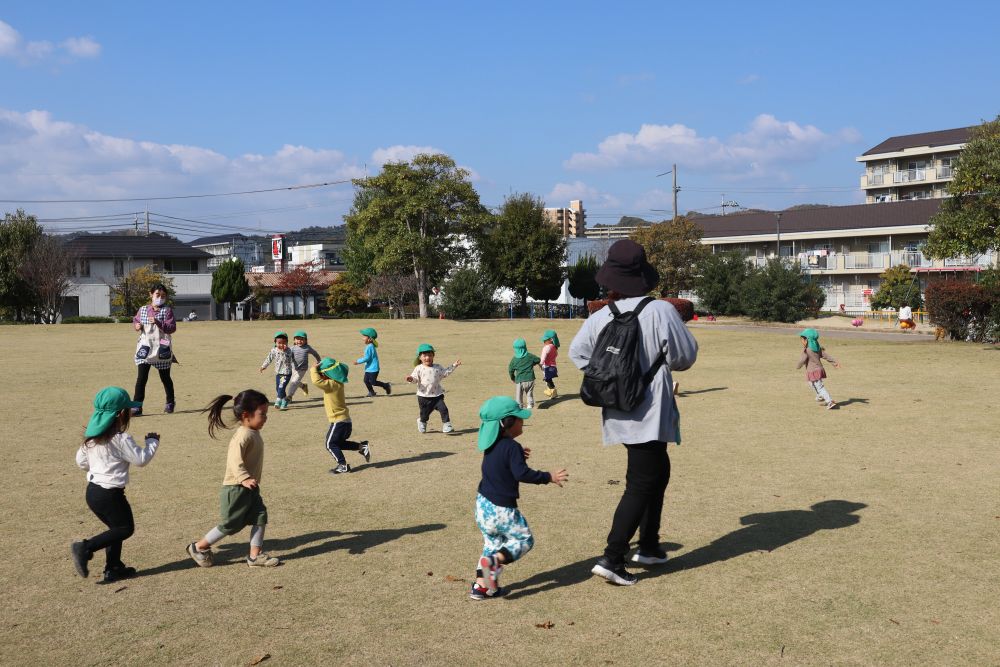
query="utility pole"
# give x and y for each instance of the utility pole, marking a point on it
(777, 241)
(674, 189)
(147, 221)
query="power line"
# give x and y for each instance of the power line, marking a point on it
(219, 194)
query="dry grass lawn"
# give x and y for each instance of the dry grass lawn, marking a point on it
(900, 568)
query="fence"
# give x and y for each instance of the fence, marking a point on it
(887, 317)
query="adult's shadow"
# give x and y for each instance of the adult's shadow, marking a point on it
(325, 541)
(692, 392)
(863, 401)
(545, 405)
(765, 531)
(426, 456)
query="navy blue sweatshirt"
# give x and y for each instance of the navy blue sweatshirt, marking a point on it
(503, 469)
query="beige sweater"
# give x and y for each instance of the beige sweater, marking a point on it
(245, 459)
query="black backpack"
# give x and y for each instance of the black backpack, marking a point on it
(613, 378)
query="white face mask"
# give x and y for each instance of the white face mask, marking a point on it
(157, 301)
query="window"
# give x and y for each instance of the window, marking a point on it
(180, 266)
(81, 269)
(119, 268)
(875, 247)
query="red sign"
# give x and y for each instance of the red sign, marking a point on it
(276, 249)
(867, 292)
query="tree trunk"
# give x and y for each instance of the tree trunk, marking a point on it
(421, 276)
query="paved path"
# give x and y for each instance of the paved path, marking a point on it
(793, 330)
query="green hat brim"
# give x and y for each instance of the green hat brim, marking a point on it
(489, 429)
(102, 417)
(300, 334)
(334, 370)
(424, 347)
(368, 331)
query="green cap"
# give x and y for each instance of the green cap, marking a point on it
(300, 334)
(424, 347)
(280, 334)
(368, 331)
(520, 348)
(492, 411)
(107, 404)
(812, 337)
(333, 369)
(553, 335)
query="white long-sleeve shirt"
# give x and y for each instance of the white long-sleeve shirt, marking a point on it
(429, 378)
(107, 463)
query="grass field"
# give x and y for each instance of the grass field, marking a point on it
(864, 535)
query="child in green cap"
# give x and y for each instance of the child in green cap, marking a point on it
(550, 350)
(301, 351)
(370, 360)
(522, 373)
(330, 375)
(106, 454)
(430, 396)
(506, 534)
(812, 358)
(283, 364)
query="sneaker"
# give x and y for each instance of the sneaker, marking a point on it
(489, 565)
(283, 404)
(447, 427)
(547, 392)
(531, 406)
(831, 405)
(616, 574)
(203, 558)
(421, 426)
(388, 389)
(819, 399)
(553, 393)
(366, 451)
(370, 394)
(340, 469)
(263, 560)
(655, 557)
(479, 593)
(117, 574)
(136, 412)
(80, 557)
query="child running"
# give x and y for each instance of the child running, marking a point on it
(430, 395)
(106, 454)
(506, 535)
(370, 360)
(330, 375)
(522, 373)
(550, 350)
(283, 364)
(240, 498)
(300, 364)
(812, 358)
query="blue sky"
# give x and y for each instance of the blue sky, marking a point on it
(768, 103)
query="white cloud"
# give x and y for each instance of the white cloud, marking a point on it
(13, 46)
(748, 79)
(562, 193)
(767, 142)
(400, 153)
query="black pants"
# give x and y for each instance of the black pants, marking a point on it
(337, 440)
(642, 503)
(112, 508)
(371, 381)
(139, 395)
(430, 403)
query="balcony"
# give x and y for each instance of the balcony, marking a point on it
(864, 260)
(818, 262)
(876, 179)
(945, 172)
(912, 258)
(984, 261)
(909, 175)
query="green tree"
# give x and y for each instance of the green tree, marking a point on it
(720, 282)
(468, 294)
(674, 248)
(359, 256)
(520, 249)
(19, 232)
(132, 290)
(409, 218)
(582, 279)
(969, 220)
(342, 296)
(780, 292)
(229, 284)
(899, 287)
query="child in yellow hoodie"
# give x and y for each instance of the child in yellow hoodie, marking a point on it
(330, 375)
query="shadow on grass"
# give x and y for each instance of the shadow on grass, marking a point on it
(546, 404)
(700, 391)
(863, 401)
(426, 456)
(463, 431)
(765, 531)
(325, 541)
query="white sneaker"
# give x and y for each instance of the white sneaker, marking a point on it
(447, 427)
(421, 426)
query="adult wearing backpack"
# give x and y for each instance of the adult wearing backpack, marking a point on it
(645, 421)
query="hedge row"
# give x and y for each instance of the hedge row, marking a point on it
(966, 310)
(684, 307)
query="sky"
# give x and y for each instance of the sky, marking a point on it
(765, 105)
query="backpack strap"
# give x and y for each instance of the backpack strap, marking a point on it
(638, 309)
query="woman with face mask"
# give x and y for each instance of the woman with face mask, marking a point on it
(155, 324)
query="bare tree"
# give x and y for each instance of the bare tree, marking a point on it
(394, 288)
(47, 269)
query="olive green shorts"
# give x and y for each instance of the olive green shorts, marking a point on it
(241, 507)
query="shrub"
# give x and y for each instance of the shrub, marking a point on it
(781, 293)
(898, 287)
(721, 281)
(684, 307)
(88, 319)
(965, 310)
(468, 294)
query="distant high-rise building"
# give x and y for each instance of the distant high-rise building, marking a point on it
(572, 221)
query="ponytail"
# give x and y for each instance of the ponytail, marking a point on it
(246, 401)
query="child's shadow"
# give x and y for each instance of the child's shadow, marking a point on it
(863, 401)
(325, 541)
(546, 404)
(426, 456)
(765, 531)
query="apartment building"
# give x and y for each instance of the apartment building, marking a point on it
(572, 220)
(224, 247)
(317, 256)
(911, 166)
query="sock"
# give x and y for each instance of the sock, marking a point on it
(257, 536)
(213, 536)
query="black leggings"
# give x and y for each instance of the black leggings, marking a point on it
(371, 381)
(430, 403)
(112, 508)
(139, 395)
(642, 503)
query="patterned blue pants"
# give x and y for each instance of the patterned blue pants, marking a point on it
(503, 528)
